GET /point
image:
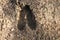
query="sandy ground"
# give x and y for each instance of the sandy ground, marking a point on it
(47, 16)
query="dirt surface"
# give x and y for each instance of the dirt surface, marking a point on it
(29, 19)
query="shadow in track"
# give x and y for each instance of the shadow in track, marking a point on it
(29, 17)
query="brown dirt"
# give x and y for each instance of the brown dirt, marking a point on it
(47, 16)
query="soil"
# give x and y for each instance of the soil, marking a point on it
(29, 19)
